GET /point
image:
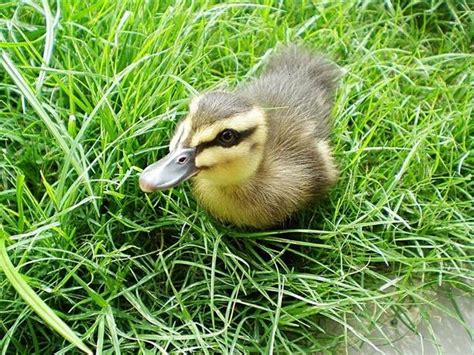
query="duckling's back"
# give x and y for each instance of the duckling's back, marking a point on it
(296, 89)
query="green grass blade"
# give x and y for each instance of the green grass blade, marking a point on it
(51, 23)
(36, 303)
(104, 87)
(56, 130)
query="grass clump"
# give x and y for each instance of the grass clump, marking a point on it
(90, 92)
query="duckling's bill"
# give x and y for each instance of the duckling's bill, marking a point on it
(178, 166)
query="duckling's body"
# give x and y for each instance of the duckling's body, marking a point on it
(281, 159)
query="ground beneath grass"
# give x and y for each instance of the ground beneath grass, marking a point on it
(89, 94)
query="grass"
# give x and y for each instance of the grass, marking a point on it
(89, 94)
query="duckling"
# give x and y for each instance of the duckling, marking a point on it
(260, 153)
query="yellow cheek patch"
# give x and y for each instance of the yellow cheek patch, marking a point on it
(213, 156)
(242, 122)
(227, 166)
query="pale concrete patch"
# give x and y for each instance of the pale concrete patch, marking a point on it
(436, 331)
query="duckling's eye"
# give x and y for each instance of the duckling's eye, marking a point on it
(228, 137)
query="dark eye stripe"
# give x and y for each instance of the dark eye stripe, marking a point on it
(215, 142)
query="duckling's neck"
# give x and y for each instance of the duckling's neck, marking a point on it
(240, 204)
(257, 201)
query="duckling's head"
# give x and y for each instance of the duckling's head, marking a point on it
(221, 141)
